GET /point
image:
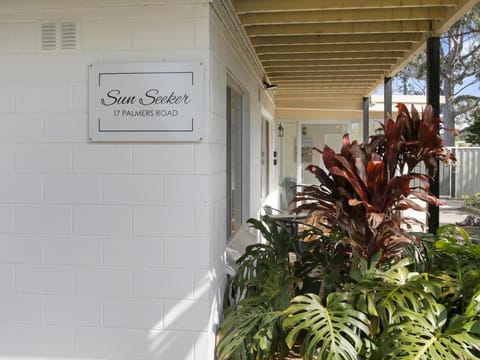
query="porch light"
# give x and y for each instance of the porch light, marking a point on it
(269, 86)
(281, 130)
(304, 130)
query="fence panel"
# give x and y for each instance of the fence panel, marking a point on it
(466, 174)
(445, 176)
(462, 179)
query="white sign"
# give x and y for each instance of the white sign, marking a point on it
(146, 102)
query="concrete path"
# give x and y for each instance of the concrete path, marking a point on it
(449, 214)
(452, 212)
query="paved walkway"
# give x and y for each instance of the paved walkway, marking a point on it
(452, 212)
(449, 214)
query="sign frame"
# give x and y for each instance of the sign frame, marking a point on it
(146, 102)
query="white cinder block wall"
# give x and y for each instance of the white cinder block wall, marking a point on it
(227, 60)
(104, 248)
(114, 250)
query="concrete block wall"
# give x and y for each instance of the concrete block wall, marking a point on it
(107, 251)
(226, 61)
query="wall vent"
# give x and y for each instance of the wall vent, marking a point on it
(68, 36)
(59, 36)
(49, 37)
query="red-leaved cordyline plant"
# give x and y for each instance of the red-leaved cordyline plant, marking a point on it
(367, 185)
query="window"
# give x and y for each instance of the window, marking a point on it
(234, 160)
(265, 157)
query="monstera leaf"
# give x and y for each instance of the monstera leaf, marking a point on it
(333, 331)
(381, 291)
(410, 296)
(424, 336)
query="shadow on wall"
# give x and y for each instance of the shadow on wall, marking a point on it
(182, 314)
(179, 332)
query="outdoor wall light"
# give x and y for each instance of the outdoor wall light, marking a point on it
(269, 86)
(304, 130)
(281, 130)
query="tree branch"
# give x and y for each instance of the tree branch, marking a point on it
(473, 82)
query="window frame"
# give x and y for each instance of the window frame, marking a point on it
(241, 166)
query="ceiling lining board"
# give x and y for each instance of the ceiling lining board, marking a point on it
(339, 48)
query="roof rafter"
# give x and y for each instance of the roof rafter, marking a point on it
(327, 16)
(312, 72)
(329, 48)
(300, 39)
(333, 56)
(243, 6)
(323, 84)
(320, 76)
(340, 28)
(315, 80)
(339, 48)
(385, 63)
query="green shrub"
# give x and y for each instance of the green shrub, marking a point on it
(363, 288)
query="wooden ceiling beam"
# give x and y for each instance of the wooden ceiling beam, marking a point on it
(316, 99)
(339, 71)
(321, 76)
(282, 101)
(326, 91)
(313, 80)
(330, 48)
(315, 86)
(340, 28)
(333, 56)
(326, 80)
(379, 75)
(290, 107)
(322, 39)
(290, 100)
(370, 79)
(245, 6)
(378, 69)
(453, 15)
(332, 51)
(321, 86)
(329, 63)
(336, 16)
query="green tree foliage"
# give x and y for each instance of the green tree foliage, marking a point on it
(460, 71)
(411, 79)
(472, 134)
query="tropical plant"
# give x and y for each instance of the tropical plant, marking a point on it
(447, 325)
(361, 286)
(388, 312)
(429, 334)
(334, 330)
(473, 201)
(367, 185)
(454, 267)
(252, 330)
(324, 264)
(263, 287)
